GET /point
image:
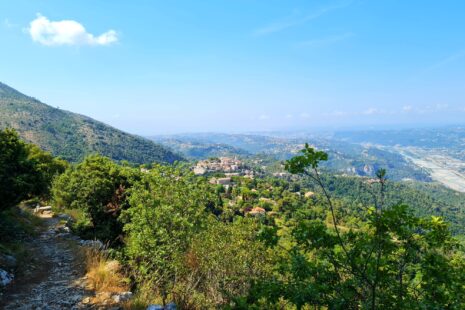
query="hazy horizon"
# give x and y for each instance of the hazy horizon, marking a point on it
(240, 66)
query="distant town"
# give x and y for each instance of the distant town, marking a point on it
(229, 166)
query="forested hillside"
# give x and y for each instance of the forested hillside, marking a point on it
(73, 136)
(309, 240)
(345, 157)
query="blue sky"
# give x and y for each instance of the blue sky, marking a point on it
(152, 67)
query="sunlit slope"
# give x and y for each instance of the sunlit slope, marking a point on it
(73, 136)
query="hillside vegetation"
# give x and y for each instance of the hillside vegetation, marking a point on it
(345, 157)
(309, 241)
(73, 136)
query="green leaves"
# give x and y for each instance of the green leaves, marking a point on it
(309, 159)
(167, 208)
(99, 187)
(25, 170)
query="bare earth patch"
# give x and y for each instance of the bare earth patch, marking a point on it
(57, 277)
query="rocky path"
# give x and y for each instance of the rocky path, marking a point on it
(56, 278)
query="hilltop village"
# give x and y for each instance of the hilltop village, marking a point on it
(228, 166)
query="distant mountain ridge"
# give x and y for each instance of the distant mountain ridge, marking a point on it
(198, 150)
(73, 136)
(344, 157)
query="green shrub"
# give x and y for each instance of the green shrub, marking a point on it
(98, 187)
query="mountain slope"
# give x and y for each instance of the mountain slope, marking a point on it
(73, 136)
(197, 150)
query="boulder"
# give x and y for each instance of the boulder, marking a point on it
(62, 229)
(5, 278)
(96, 244)
(39, 209)
(64, 216)
(122, 297)
(170, 306)
(8, 261)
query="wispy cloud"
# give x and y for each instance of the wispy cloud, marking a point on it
(407, 108)
(294, 20)
(371, 111)
(444, 62)
(66, 32)
(441, 63)
(263, 117)
(337, 113)
(326, 41)
(8, 24)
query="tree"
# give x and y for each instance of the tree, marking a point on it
(16, 170)
(394, 261)
(167, 208)
(46, 168)
(222, 261)
(99, 187)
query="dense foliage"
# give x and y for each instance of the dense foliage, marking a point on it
(177, 248)
(308, 241)
(392, 260)
(73, 136)
(25, 170)
(98, 187)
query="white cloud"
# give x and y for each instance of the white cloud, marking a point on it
(407, 108)
(371, 111)
(304, 115)
(263, 117)
(66, 32)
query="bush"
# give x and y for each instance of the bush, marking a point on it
(16, 170)
(99, 187)
(168, 208)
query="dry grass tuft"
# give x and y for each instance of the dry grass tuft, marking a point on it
(104, 274)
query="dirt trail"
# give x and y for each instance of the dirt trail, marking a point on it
(56, 279)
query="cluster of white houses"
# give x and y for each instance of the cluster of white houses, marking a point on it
(221, 164)
(229, 166)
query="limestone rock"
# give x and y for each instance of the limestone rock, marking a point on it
(122, 297)
(96, 244)
(40, 209)
(5, 278)
(8, 261)
(170, 306)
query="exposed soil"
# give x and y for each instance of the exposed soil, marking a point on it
(56, 277)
